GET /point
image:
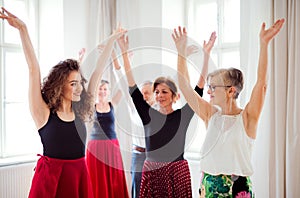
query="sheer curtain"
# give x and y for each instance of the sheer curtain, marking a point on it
(276, 155)
(102, 20)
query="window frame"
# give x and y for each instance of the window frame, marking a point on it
(217, 55)
(31, 10)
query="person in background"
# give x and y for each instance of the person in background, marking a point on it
(104, 159)
(138, 141)
(59, 107)
(231, 131)
(165, 171)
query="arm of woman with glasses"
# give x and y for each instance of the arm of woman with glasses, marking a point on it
(255, 105)
(201, 107)
(207, 47)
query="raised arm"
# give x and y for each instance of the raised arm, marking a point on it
(102, 61)
(200, 106)
(115, 61)
(118, 95)
(254, 106)
(38, 108)
(207, 47)
(81, 54)
(124, 45)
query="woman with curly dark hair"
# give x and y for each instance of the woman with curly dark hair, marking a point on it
(59, 111)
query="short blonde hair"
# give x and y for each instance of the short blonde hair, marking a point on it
(231, 77)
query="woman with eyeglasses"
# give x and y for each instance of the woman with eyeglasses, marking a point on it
(59, 107)
(231, 131)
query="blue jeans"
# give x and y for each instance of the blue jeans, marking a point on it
(137, 163)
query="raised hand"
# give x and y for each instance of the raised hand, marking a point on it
(180, 38)
(207, 46)
(191, 49)
(12, 19)
(267, 35)
(118, 32)
(123, 43)
(81, 54)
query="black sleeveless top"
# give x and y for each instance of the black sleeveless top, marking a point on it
(104, 125)
(63, 139)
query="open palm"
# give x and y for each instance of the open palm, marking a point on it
(267, 35)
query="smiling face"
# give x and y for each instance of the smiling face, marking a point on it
(164, 96)
(73, 87)
(103, 92)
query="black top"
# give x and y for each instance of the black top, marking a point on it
(62, 139)
(104, 125)
(164, 134)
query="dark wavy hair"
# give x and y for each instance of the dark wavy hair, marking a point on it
(52, 88)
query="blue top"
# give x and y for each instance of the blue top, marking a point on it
(63, 139)
(104, 125)
(164, 134)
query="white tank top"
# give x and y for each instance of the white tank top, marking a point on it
(227, 148)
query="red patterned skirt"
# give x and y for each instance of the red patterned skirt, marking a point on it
(105, 166)
(61, 178)
(166, 179)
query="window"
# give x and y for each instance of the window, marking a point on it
(18, 134)
(222, 16)
(202, 18)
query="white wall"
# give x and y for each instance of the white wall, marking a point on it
(63, 26)
(51, 42)
(75, 26)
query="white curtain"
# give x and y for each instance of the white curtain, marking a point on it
(102, 20)
(276, 157)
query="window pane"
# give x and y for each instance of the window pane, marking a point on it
(21, 136)
(16, 77)
(11, 35)
(206, 21)
(231, 21)
(231, 59)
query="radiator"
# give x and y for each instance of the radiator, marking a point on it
(15, 180)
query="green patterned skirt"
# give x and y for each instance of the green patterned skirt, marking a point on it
(225, 186)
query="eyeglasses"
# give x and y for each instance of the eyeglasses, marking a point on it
(213, 87)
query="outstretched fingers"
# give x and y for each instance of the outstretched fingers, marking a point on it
(175, 34)
(268, 34)
(7, 13)
(207, 46)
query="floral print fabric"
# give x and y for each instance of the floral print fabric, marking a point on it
(225, 186)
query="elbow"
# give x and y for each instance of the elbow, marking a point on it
(262, 86)
(265, 88)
